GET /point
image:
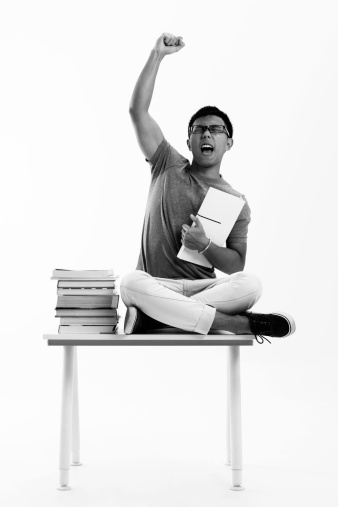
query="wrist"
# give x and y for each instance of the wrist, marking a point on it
(205, 248)
(158, 53)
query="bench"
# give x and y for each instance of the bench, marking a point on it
(69, 435)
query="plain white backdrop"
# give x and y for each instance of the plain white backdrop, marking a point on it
(73, 190)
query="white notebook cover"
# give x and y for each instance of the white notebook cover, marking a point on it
(218, 214)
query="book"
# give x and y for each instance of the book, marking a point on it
(87, 329)
(106, 283)
(85, 292)
(84, 273)
(88, 321)
(218, 214)
(86, 312)
(87, 301)
(74, 279)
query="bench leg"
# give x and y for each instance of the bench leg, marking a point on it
(75, 440)
(235, 418)
(228, 441)
(66, 416)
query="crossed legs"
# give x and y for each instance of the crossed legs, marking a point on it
(194, 305)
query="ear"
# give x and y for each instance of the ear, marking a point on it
(229, 144)
(188, 144)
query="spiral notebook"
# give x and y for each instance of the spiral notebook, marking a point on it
(218, 214)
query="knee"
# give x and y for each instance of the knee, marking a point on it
(253, 284)
(132, 279)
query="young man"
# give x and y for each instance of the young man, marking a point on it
(165, 289)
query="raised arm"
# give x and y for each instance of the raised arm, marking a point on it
(148, 132)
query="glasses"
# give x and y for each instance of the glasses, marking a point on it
(213, 129)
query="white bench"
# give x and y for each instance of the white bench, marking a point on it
(69, 436)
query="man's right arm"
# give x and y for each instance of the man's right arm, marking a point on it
(148, 132)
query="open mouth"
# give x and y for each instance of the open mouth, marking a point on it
(207, 149)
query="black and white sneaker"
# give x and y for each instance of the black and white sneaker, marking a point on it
(276, 325)
(137, 322)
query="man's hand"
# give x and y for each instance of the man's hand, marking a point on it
(194, 237)
(168, 44)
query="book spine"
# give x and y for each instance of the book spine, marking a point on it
(86, 312)
(87, 329)
(88, 321)
(79, 284)
(61, 273)
(85, 292)
(87, 301)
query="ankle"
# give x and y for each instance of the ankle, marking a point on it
(244, 324)
(238, 324)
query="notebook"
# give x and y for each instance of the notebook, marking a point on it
(218, 214)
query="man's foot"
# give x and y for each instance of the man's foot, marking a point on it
(276, 325)
(137, 322)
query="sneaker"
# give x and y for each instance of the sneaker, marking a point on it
(276, 325)
(137, 322)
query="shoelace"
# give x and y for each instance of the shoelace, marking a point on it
(262, 338)
(261, 324)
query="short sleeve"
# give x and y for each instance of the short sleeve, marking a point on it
(164, 158)
(239, 232)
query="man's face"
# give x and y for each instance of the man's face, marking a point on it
(208, 149)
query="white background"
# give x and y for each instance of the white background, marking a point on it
(73, 190)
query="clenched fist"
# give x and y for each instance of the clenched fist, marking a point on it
(169, 43)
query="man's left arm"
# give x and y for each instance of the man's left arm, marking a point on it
(228, 260)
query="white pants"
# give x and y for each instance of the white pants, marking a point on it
(190, 304)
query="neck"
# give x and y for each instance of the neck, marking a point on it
(209, 172)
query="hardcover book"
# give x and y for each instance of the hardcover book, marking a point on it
(87, 301)
(84, 273)
(79, 284)
(87, 329)
(88, 321)
(86, 312)
(85, 292)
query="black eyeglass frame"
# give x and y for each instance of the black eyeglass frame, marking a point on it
(207, 127)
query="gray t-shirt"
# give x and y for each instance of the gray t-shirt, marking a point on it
(175, 192)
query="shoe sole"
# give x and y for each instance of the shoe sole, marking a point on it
(130, 320)
(290, 320)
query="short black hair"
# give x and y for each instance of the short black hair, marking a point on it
(208, 110)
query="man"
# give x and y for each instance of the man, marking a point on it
(165, 289)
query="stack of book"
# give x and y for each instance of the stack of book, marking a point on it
(87, 301)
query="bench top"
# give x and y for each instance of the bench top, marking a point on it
(157, 337)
